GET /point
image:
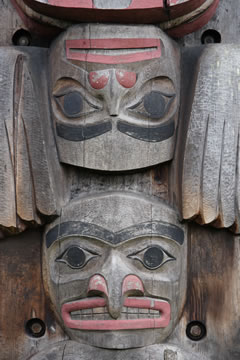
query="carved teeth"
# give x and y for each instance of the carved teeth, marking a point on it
(101, 313)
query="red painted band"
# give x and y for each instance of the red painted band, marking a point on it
(195, 25)
(84, 4)
(143, 4)
(134, 324)
(110, 44)
(89, 4)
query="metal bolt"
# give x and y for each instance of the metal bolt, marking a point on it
(23, 41)
(36, 328)
(196, 331)
(209, 40)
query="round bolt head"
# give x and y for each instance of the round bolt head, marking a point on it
(196, 330)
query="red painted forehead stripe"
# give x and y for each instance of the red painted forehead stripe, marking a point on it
(89, 4)
(74, 47)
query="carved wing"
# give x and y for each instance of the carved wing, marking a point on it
(27, 187)
(210, 180)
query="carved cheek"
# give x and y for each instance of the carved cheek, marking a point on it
(126, 79)
(98, 79)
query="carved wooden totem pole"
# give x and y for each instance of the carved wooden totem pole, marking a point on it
(119, 175)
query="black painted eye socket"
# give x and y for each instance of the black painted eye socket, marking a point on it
(154, 104)
(73, 104)
(152, 257)
(76, 257)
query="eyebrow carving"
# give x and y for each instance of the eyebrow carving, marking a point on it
(155, 228)
(75, 50)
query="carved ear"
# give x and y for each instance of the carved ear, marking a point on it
(28, 192)
(210, 180)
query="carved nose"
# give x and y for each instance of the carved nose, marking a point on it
(114, 294)
(131, 286)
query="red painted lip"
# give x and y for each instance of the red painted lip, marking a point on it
(132, 324)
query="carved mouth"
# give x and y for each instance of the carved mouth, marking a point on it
(137, 313)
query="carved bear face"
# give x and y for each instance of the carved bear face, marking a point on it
(115, 96)
(115, 270)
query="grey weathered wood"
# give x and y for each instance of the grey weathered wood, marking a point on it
(210, 170)
(225, 21)
(73, 351)
(29, 160)
(112, 4)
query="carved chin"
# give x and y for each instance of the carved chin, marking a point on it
(114, 151)
(137, 313)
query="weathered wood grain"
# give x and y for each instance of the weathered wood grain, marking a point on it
(72, 351)
(21, 282)
(210, 176)
(29, 156)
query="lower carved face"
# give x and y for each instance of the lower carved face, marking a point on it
(115, 99)
(115, 267)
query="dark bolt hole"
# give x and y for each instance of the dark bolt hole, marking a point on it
(22, 38)
(35, 327)
(211, 37)
(196, 331)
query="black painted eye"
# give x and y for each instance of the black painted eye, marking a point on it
(76, 257)
(73, 104)
(152, 257)
(154, 104)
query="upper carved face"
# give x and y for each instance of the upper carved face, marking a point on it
(115, 270)
(115, 96)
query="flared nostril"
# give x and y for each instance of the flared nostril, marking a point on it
(132, 286)
(97, 286)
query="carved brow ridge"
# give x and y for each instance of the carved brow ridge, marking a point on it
(91, 230)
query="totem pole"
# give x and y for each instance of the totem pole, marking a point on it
(119, 177)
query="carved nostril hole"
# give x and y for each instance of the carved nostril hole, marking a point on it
(133, 292)
(92, 293)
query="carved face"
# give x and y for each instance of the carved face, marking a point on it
(115, 96)
(115, 268)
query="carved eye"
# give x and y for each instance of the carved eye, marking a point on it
(154, 104)
(152, 257)
(73, 104)
(76, 257)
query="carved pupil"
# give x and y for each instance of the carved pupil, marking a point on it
(153, 257)
(73, 103)
(75, 257)
(154, 104)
